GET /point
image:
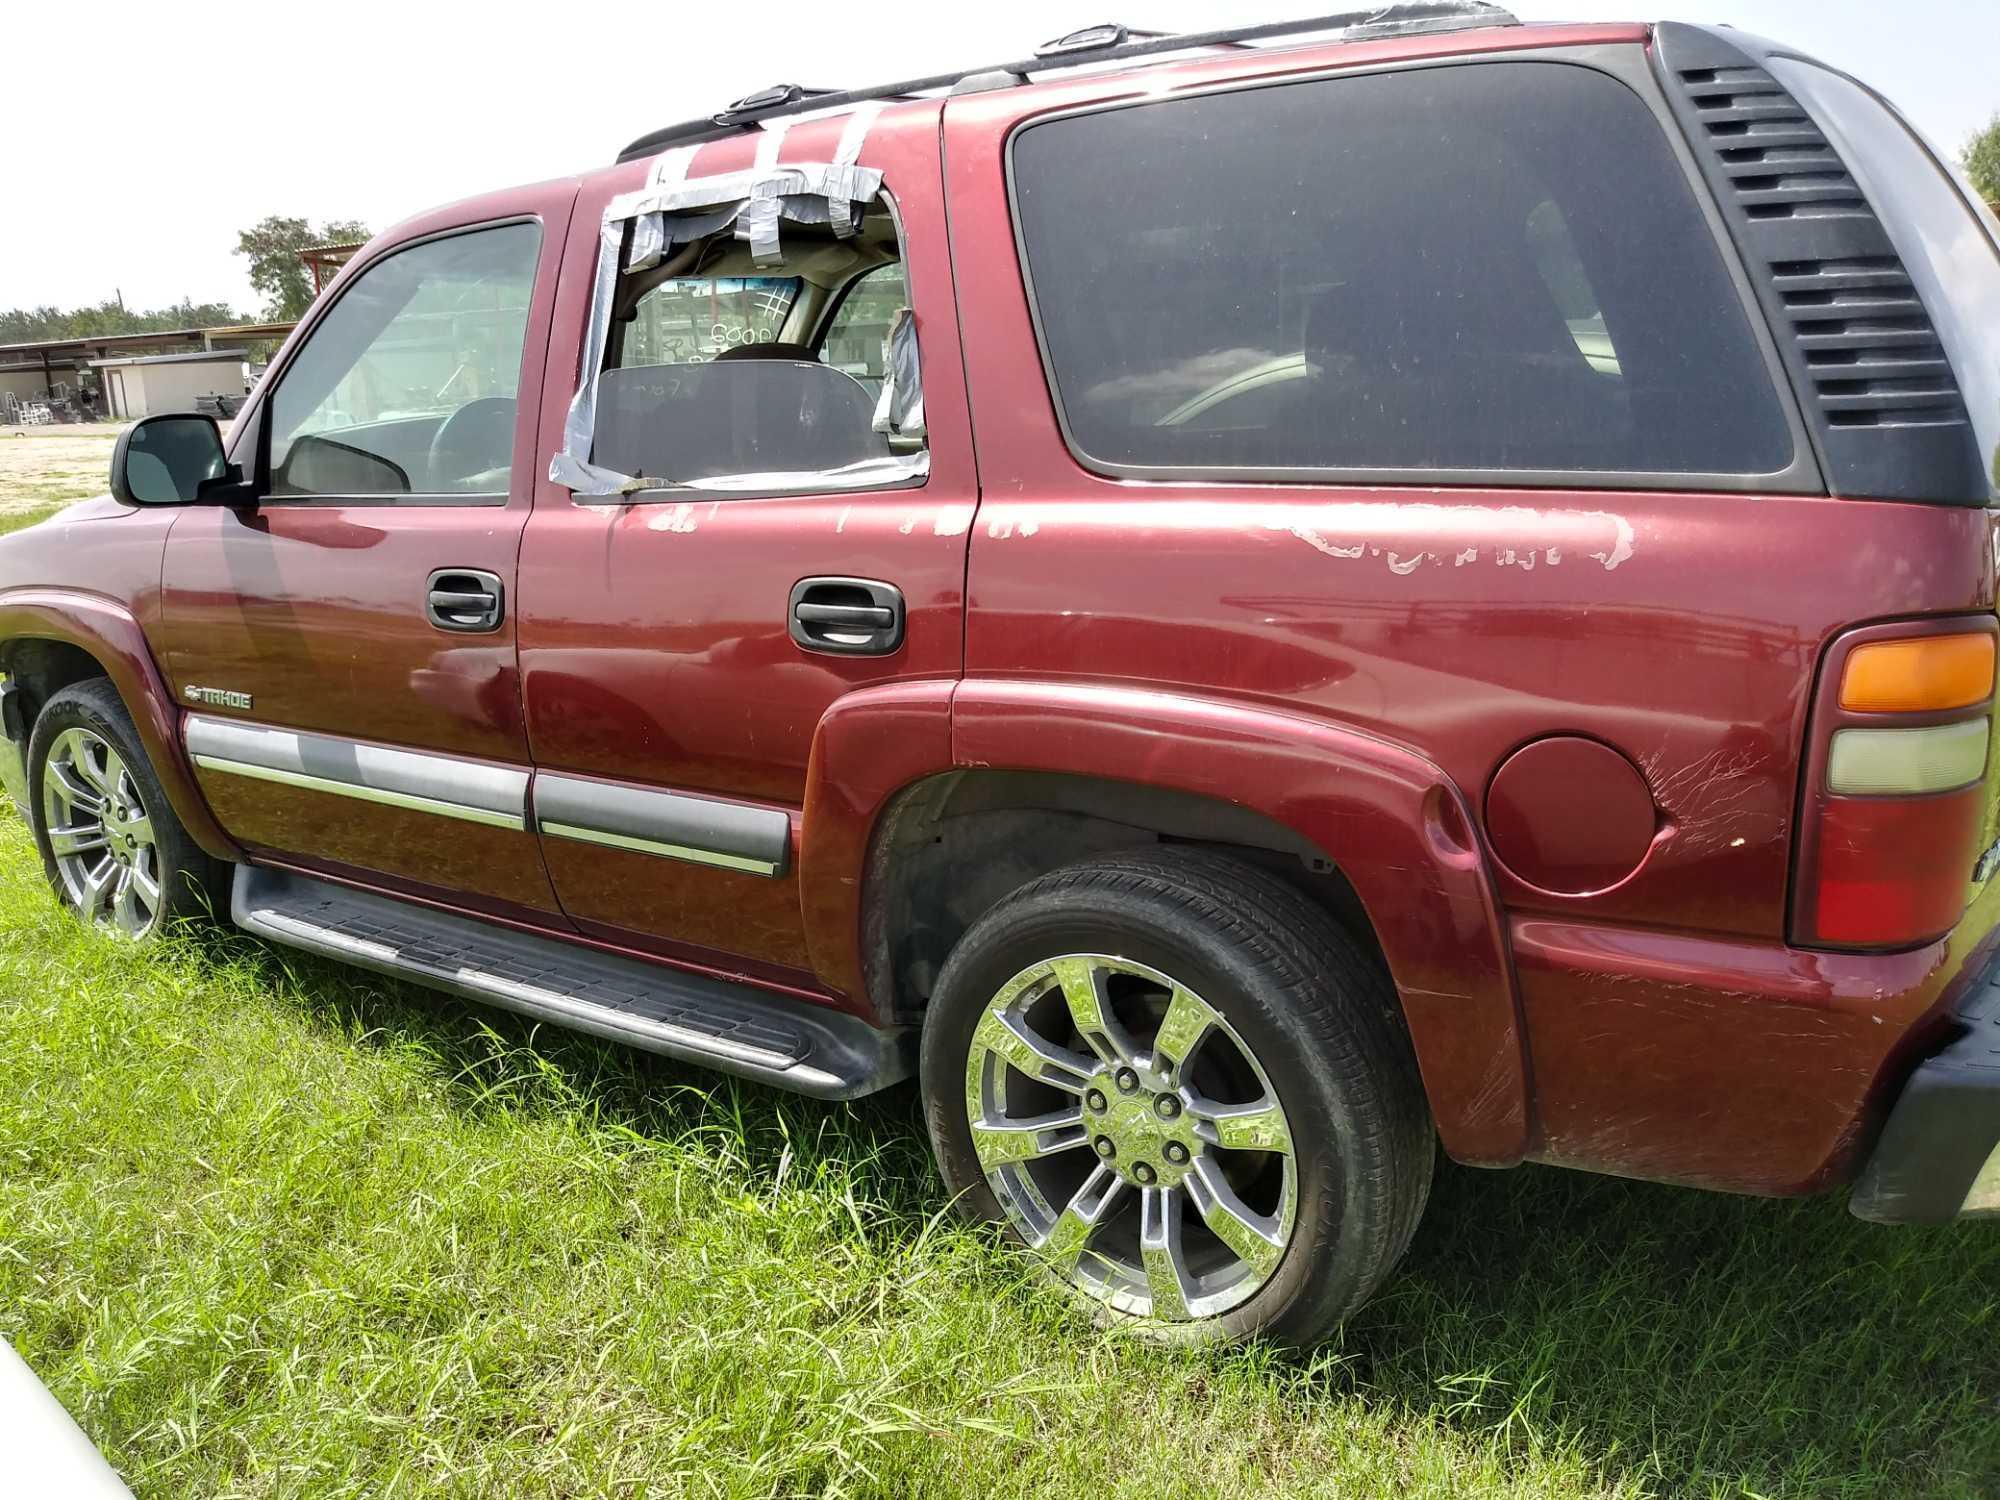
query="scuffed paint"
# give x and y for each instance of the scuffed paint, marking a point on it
(956, 520)
(1622, 549)
(841, 525)
(672, 518)
(1518, 536)
(1311, 538)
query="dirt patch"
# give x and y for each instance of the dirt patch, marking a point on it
(41, 467)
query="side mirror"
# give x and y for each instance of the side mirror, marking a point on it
(171, 460)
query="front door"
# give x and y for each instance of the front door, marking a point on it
(680, 645)
(345, 649)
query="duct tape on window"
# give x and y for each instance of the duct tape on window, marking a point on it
(642, 229)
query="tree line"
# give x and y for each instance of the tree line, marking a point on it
(271, 246)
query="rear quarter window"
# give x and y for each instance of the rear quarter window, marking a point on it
(1471, 268)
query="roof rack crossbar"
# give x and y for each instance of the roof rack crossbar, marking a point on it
(1076, 50)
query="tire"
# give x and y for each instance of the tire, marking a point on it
(1174, 933)
(134, 870)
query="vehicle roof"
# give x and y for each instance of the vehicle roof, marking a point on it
(1167, 58)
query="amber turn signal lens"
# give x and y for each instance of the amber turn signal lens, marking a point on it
(1907, 677)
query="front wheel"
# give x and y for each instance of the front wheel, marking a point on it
(112, 848)
(1175, 1080)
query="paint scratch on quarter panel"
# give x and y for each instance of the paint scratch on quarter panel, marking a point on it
(1520, 536)
(672, 518)
(1310, 537)
(1623, 547)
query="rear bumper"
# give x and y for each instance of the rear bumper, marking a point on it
(1938, 1157)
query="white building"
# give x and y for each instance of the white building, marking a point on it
(146, 385)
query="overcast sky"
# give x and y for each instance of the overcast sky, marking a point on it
(142, 136)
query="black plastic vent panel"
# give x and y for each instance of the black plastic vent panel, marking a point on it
(1774, 156)
(1873, 354)
(1873, 376)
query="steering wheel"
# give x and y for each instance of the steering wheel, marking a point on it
(475, 439)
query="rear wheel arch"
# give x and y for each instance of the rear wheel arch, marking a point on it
(950, 847)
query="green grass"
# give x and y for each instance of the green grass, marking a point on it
(269, 1227)
(21, 520)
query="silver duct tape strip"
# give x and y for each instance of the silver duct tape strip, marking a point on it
(649, 230)
(758, 222)
(867, 474)
(900, 408)
(840, 194)
(793, 180)
(572, 467)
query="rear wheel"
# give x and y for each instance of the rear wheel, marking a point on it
(111, 846)
(1172, 1077)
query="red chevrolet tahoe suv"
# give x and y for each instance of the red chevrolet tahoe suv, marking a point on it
(1240, 604)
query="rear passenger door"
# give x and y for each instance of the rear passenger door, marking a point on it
(681, 642)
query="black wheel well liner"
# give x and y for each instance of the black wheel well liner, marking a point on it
(947, 848)
(41, 668)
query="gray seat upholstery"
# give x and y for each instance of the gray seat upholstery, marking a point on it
(685, 423)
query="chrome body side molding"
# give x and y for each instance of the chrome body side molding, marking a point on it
(471, 791)
(671, 825)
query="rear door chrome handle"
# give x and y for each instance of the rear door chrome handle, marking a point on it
(467, 600)
(846, 616)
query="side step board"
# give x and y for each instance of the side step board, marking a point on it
(734, 1028)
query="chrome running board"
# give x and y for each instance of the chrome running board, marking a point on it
(734, 1028)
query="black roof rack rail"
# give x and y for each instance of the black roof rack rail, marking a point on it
(1091, 44)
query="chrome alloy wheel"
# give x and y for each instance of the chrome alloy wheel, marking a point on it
(100, 834)
(1131, 1137)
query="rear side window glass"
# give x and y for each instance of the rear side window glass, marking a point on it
(1467, 268)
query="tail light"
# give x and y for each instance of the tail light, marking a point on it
(1895, 794)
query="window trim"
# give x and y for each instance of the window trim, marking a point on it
(1624, 63)
(267, 388)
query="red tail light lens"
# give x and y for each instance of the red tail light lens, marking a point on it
(1895, 794)
(1893, 871)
